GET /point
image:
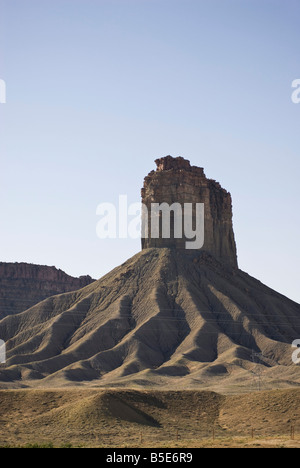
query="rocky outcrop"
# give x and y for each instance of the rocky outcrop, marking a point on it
(168, 317)
(22, 285)
(176, 181)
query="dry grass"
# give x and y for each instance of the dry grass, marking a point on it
(134, 418)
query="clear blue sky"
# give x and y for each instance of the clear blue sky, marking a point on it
(98, 89)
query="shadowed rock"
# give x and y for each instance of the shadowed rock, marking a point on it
(23, 285)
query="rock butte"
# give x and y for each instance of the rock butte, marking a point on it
(176, 181)
(166, 318)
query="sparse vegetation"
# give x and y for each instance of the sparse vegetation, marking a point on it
(71, 418)
(37, 445)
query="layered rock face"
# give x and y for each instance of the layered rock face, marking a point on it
(176, 181)
(22, 285)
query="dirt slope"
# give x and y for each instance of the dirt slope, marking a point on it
(163, 318)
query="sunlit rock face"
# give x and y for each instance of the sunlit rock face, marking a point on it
(176, 181)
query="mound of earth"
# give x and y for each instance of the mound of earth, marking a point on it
(153, 418)
(164, 317)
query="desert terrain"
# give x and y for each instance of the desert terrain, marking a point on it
(173, 348)
(87, 418)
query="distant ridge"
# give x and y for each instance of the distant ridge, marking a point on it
(23, 285)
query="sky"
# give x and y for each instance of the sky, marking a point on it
(96, 90)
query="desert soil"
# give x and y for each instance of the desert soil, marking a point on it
(136, 418)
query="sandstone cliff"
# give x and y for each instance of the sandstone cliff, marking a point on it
(176, 181)
(22, 285)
